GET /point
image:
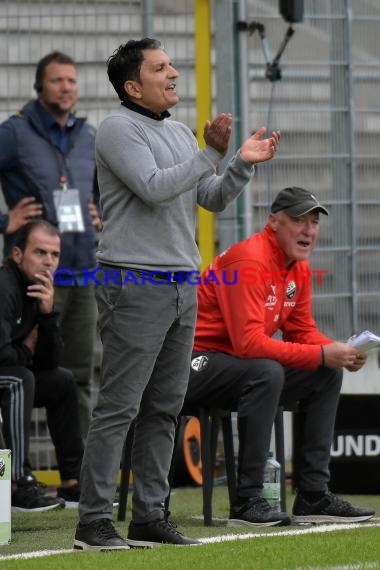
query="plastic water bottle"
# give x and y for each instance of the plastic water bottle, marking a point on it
(272, 485)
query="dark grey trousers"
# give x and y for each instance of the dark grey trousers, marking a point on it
(254, 388)
(78, 316)
(147, 334)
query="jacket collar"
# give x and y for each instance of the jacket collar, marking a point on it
(14, 268)
(277, 253)
(49, 121)
(31, 113)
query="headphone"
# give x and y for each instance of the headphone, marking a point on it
(37, 85)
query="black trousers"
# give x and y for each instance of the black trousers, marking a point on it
(20, 391)
(255, 388)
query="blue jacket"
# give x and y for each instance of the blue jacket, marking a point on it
(31, 165)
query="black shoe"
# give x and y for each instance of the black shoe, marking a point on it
(30, 479)
(28, 498)
(329, 509)
(156, 533)
(98, 535)
(257, 512)
(43, 489)
(70, 495)
(27, 479)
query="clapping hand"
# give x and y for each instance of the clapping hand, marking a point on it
(255, 149)
(217, 133)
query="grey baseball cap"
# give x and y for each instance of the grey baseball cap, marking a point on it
(296, 202)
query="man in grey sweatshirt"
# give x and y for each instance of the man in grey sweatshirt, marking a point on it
(152, 175)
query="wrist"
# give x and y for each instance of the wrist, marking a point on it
(46, 311)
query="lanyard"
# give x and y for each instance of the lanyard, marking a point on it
(63, 183)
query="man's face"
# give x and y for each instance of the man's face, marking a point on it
(156, 89)
(41, 254)
(296, 236)
(59, 88)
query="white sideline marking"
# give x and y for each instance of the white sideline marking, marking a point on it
(331, 527)
(35, 554)
(224, 519)
(351, 566)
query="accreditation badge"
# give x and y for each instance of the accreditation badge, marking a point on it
(69, 210)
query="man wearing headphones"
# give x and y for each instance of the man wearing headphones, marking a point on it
(47, 169)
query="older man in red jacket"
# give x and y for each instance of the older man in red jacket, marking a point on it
(257, 288)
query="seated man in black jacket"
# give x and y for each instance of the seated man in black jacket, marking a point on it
(30, 348)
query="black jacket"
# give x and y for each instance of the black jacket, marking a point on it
(18, 316)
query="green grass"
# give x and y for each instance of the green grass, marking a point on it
(324, 551)
(358, 547)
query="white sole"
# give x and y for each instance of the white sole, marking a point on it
(143, 544)
(79, 545)
(37, 510)
(329, 519)
(148, 544)
(239, 522)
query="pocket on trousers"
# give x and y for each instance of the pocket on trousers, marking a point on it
(108, 294)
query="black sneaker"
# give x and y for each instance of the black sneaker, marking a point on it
(328, 509)
(30, 479)
(257, 512)
(70, 495)
(28, 499)
(155, 533)
(43, 489)
(98, 535)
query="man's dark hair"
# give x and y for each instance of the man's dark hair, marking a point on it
(125, 63)
(57, 57)
(22, 235)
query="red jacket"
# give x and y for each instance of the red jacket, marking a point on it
(246, 295)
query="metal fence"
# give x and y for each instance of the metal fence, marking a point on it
(327, 109)
(326, 104)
